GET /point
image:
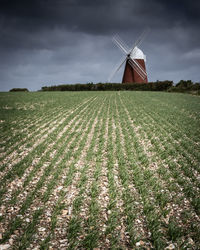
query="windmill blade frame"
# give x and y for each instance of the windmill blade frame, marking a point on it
(120, 46)
(119, 39)
(139, 67)
(140, 73)
(140, 39)
(116, 69)
(136, 69)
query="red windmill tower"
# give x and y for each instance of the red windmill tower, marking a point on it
(135, 69)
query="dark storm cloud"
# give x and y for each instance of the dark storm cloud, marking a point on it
(43, 41)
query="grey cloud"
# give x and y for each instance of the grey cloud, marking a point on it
(46, 41)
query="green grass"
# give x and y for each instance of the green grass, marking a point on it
(83, 170)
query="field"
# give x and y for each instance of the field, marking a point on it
(85, 170)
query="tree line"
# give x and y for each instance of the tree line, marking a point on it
(183, 86)
(151, 86)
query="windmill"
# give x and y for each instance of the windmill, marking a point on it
(135, 69)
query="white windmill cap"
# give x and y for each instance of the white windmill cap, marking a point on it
(138, 54)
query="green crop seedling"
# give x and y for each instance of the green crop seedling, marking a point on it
(109, 170)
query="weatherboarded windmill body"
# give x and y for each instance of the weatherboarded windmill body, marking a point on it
(135, 60)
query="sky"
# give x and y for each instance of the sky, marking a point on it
(52, 42)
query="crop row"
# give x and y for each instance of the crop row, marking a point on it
(115, 170)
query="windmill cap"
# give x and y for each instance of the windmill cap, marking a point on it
(138, 54)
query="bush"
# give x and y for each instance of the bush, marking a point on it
(184, 84)
(19, 90)
(186, 87)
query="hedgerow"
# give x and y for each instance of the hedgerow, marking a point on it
(151, 86)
